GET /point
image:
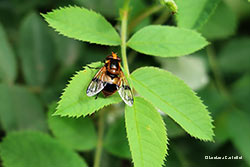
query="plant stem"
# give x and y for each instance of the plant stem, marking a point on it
(144, 15)
(218, 77)
(124, 24)
(163, 17)
(98, 152)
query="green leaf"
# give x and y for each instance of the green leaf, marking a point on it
(116, 141)
(222, 24)
(174, 130)
(166, 41)
(36, 50)
(241, 92)
(67, 50)
(74, 100)
(194, 13)
(191, 69)
(238, 126)
(234, 56)
(102, 7)
(172, 96)
(241, 8)
(78, 134)
(33, 149)
(146, 134)
(8, 63)
(82, 24)
(19, 109)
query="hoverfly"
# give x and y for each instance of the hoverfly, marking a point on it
(109, 79)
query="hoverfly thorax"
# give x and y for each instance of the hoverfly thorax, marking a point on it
(109, 79)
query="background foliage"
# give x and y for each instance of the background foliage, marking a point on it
(36, 63)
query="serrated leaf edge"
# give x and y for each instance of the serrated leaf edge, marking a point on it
(194, 93)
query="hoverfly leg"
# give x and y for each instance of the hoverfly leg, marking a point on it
(97, 96)
(96, 68)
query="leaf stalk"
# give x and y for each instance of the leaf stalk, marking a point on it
(124, 25)
(101, 124)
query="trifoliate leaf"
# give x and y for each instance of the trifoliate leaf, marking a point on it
(83, 24)
(166, 41)
(74, 100)
(172, 96)
(146, 134)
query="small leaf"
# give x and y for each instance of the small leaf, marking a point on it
(146, 134)
(222, 24)
(166, 41)
(194, 13)
(8, 63)
(116, 141)
(36, 50)
(74, 100)
(238, 128)
(82, 24)
(20, 110)
(78, 134)
(33, 149)
(172, 96)
(234, 56)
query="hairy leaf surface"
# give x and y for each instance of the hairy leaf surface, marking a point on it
(83, 24)
(194, 13)
(74, 100)
(172, 96)
(146, 134)
(78, 134)
(7, 59)
(33, 149)
(166, 41)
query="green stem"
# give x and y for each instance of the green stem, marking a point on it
(101, 125)
(218, 77)
(163, 17)
(144, 15)
(124, 24)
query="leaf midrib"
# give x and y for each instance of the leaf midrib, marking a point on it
(138, 135)
(169, 106)
(103, 35)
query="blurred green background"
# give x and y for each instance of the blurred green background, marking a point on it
(36, 63)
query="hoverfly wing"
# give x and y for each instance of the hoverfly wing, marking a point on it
(97, 83)
(125, 91)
